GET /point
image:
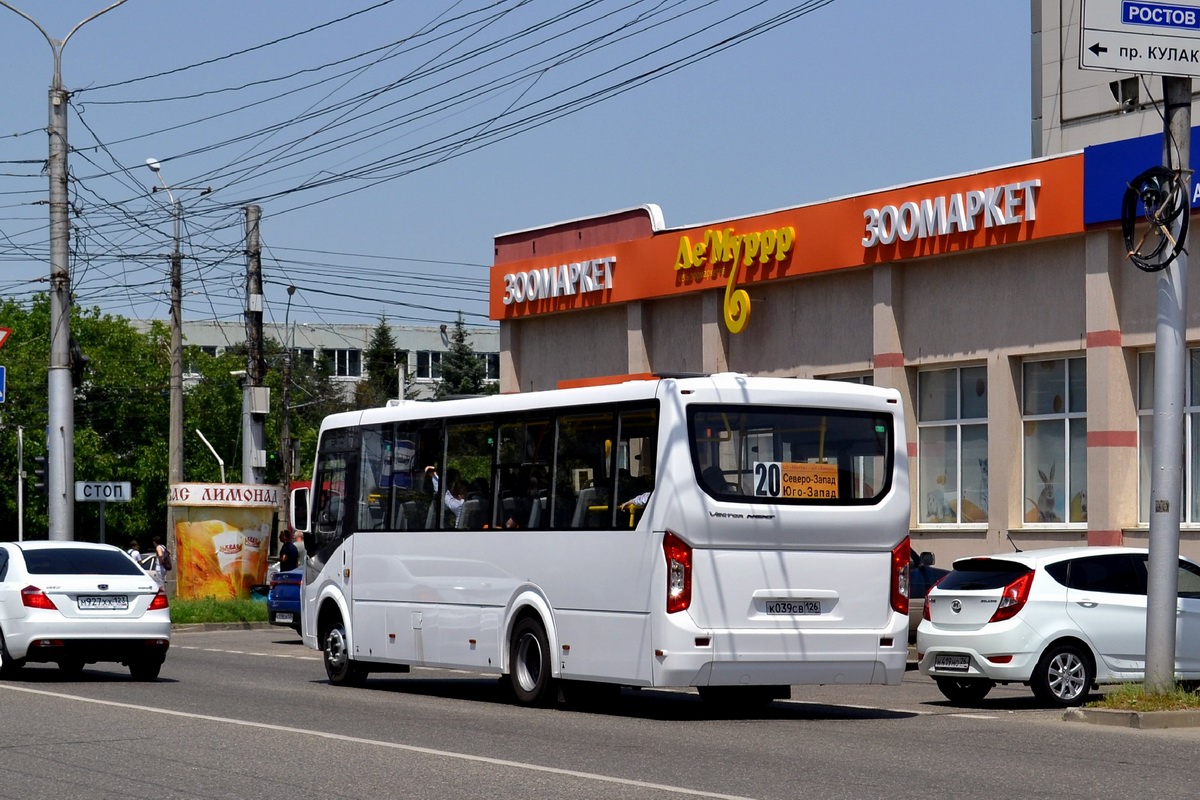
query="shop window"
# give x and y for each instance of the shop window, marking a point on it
(1191, 433)
(952, 446)
(1053, 409)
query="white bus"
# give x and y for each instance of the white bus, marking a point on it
(768, 544)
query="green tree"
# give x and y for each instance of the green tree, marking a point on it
(383, 380)
(463, 371)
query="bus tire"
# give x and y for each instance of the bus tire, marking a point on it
(339, 666)
(529, 666)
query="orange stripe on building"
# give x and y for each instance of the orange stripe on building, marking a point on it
(1105, 538)
(885, 360)
(1104, 339)
(912, 449)
(1112, 439)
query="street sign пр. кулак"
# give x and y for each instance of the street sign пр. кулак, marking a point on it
(1142, 38)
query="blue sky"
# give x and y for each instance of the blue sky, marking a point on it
(387, 149)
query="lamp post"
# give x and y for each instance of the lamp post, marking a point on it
(285, 422)
(60, 422)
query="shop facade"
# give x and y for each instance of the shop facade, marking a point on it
(1000, 303)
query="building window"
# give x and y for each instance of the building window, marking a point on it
(952, 445)
(867, 379)
(429, 365)
(1053, 409)
(491, 366)
(304, 357)
(346, 363)
(1191, 437)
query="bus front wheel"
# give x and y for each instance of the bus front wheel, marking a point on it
(529, 663)
(339, 666)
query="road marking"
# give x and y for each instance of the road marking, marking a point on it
(794, 701)
(245, 652)
(428, 751)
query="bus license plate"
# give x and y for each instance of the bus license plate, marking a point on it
(793, 607)
(108, 602)
(952, 663)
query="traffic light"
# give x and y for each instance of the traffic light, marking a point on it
(79, 364)
(39, 474)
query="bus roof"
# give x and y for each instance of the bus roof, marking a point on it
(719, 386)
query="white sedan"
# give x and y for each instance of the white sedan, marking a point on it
(1059, 620)
(75, 603)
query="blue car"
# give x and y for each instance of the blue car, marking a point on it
(283, 600)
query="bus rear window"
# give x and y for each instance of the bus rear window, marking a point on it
(792, 455)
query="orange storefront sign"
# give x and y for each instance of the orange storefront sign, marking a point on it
(1023, 203)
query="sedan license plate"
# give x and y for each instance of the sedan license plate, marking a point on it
(104, 602)
(793, 606)
(952, 663)
(283, 616)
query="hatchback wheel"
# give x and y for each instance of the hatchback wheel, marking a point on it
(964, 690)
(1063, 676)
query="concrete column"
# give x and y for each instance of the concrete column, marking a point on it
(888, 356)
(638, 354)
(1112, 457)
(714, 336)
(510, 357)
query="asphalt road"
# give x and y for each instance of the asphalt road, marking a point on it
(248, 714)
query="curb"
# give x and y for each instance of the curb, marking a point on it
(1140, 720)
(199, 627)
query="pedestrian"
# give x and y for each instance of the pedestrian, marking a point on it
(289, 554)
(160, 569)
(135, 550)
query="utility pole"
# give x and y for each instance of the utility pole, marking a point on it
(285, 421)
(60, 428)
(1170, 354)
(254, 407)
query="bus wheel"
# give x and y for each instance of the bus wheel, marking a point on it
(341, 669)
(529, 663)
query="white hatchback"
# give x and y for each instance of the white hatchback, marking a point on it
(75, 603)
(1059, 620)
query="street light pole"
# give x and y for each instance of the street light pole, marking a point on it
(60, 423)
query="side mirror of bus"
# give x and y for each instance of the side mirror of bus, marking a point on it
(300, 515)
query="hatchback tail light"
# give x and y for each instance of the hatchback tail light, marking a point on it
(159, 601)
(1013, 598)
(901, 557)
(33, 597)
(679, 572)
(925, 610)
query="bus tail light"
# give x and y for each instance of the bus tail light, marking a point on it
(901, 557)
(679, 572)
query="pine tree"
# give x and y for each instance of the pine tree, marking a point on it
(463, 371)
(382, 382)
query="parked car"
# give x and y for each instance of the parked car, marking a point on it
(74, 603)
(283, 599)
(1058, 620)
(922, 574)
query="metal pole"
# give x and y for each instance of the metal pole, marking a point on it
(285, 422)
(1170, 354)
(60, 428)
(175, 429)
(253, 452)
(20, 483)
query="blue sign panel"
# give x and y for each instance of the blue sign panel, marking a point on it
(1160, 15)
(3, 387)
(1108, 168)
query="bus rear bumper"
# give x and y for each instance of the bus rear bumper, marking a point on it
(783, 657)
